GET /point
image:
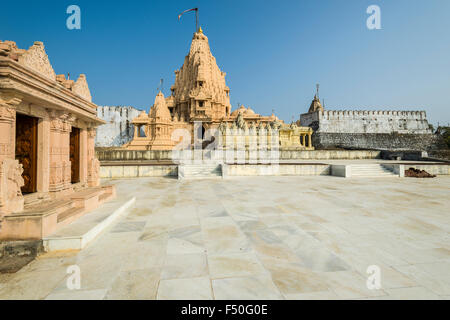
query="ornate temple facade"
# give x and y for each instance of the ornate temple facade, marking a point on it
(200, 103)
(49, 175)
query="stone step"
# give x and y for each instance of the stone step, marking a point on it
(78, 234)
(370, 171)
(196, 171)
(374, 174)
(374, 171)
(69, 213)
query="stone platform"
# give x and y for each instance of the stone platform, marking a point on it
(39, 220)
(78, 234)
(367, 168)
(259, 238)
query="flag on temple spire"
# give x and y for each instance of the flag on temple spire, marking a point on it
(185, 11)
(196, 16)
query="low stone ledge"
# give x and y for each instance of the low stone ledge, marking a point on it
(111, 157)
(137, 170)
(344, 170)
(281, 169)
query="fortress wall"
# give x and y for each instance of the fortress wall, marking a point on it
(366, 122)
(377, 141)
(389, 130)
(118, 130)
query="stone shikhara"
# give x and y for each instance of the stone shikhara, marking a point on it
(198, 113)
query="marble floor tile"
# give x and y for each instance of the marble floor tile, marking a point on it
(135, 285)
(259, 238)
(320, 295)
(234, 265)
(246, 288)
(185, 266)
(412, 293)
(185, 289)
(349, 285)
(78, 295)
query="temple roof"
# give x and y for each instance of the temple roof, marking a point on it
(200, 78)
(315, 105)
(36, 59)
(160, 109)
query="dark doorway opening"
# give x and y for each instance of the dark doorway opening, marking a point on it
(26, 150)
(75, 155)
(203, 133)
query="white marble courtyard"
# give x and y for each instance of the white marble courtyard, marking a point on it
(260, 238)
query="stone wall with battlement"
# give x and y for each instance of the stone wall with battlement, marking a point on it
(118, 129)
(408, 122)
(364, 129)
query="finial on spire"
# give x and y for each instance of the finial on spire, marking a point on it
(200, 30)
(161, 83)
(317, 94)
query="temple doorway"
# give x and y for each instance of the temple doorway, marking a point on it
(26, 150)
(75, 155)
(203, 133)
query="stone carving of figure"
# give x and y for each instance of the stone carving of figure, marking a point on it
(240, 121)
(11, 182)
(261, 126)
(223, 127)
(276, 125)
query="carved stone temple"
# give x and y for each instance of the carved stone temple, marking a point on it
(200, 103)
(49, 175)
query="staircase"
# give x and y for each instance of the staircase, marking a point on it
(199, 171)
(41, 218)
(370, 170)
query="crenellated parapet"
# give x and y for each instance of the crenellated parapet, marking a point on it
(367, 121)
(359, 114)
(369, 129)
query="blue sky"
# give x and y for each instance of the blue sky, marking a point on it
(274, 52)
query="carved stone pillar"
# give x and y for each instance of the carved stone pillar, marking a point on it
(43, 164)
(8, 106)
(60, 174)
(93, 163)
(309, 140)
(84, 156)
(11, 181)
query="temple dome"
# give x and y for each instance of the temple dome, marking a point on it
(315, 105)
(249, 112)
(241, 109)
(141, 118)
(159, 109)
